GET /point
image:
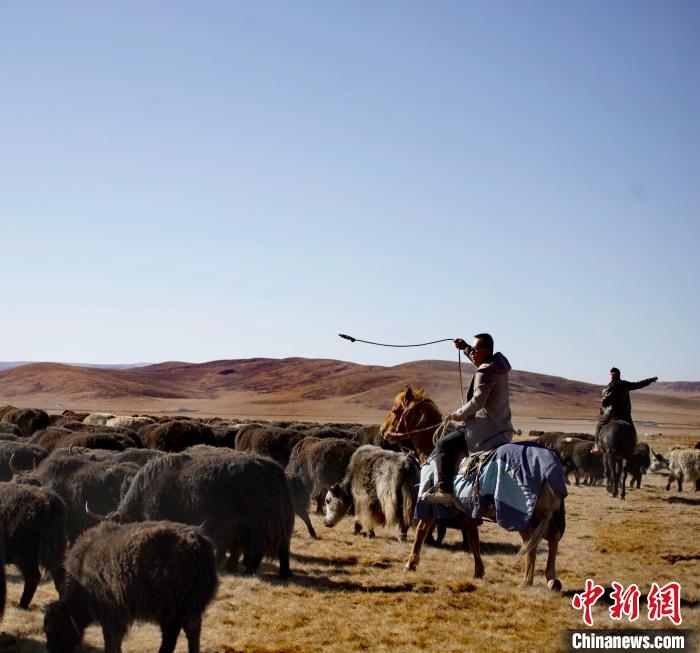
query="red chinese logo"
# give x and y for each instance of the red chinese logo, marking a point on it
(665, 602)
(586, 600)
(625, 602)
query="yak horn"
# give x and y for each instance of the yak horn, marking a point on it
(70, 448)
(13, 469)
(34, 463)
(94, 515)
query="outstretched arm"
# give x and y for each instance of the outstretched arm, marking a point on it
(642, 384)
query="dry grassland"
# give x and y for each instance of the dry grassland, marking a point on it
(349, 593)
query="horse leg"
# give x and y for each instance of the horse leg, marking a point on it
(475, 545)
(550, 571)
(680, 482)
(623, 464)
(607, 469)
(615, 475)
(531, 554)
(421, 533)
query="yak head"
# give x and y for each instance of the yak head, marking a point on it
(658, 463)
(338, 501)
(63, 634)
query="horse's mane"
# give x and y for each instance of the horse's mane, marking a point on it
(419, 396)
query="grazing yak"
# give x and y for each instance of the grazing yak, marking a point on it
(10, 429)
(272, 441)
(155, 571)
(242, 499)
(639, 463)
(380, 485)
(683, 463)
(98, 419)
(133, 422)
(577, 458)
(23, 455)
(54, 438)
(176, 435)
(77, 479)
(28, 419)
(34, 523)
(320, 464)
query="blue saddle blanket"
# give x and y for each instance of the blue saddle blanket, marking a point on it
(510, 481)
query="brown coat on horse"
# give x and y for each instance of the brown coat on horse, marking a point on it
(415, 417)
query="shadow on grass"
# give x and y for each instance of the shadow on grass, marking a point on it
(487, 548)
(688, 501)
(12, 644)
(346, 561)
(324, 584)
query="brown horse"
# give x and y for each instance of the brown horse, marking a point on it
(416, 417)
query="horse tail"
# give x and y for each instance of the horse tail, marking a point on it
(549, 503)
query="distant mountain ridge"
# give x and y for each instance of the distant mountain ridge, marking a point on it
(8, 365)
(315, 382)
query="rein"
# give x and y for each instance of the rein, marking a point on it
(399, 434)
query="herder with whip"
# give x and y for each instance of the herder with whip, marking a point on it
(486, 413)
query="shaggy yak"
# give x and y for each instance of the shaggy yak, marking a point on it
(23, 454)
(272, 441)
(684, 465)
(639, 463)
(243, 501)
(77, 479)
(60, 438)
(155, 571)
(381, 486)
(320, 463)
(8, 428)
(176, 435)
(28, 419)
(34, 524)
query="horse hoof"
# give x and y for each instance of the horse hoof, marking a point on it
(554, 584)
(411, 565)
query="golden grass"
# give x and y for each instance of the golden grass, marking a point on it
(350, 593)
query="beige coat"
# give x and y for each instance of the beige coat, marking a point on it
(487, 414)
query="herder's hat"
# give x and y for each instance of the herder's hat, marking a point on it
(614, 370)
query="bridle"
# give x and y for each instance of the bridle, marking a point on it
(398, 433)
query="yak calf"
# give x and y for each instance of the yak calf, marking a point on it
(156, 571)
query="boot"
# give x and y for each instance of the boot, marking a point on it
(440, 493)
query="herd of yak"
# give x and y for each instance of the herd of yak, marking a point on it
(133, 516)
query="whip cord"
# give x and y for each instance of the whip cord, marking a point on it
(420, 344)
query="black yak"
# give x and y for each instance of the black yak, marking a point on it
(155, 571)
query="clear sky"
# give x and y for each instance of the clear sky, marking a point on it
(197, 181)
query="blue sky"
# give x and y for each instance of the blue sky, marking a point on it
(197, 181)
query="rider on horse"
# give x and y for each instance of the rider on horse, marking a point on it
(486, 414)
(616, 404)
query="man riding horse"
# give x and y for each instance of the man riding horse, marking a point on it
(486, 415)
(616, 404)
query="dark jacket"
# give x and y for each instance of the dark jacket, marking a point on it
(616, 398)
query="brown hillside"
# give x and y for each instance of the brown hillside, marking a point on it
(322, 390)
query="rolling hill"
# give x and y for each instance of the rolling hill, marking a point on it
(319, 389)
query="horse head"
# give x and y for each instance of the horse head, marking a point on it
(413, 416)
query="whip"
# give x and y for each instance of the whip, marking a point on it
(420, 344)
